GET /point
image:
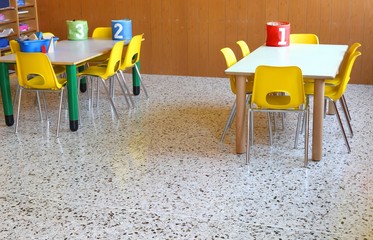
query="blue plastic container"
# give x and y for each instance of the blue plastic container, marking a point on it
(35, 45)
(4, 42)
(121, 29)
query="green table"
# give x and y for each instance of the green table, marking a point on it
(69, 54)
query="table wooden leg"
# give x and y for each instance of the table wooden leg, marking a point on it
(240, 114)
(318, 117)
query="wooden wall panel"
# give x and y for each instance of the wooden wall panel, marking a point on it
(197, 37)
(256, 24)
(325, 21)
(297, 16)
(283, 10)
(367, 50)
(356, 20)
(313, 17)
(185, 37)
(217, 35)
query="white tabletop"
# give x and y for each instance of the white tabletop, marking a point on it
(319, 61)
(73, 52)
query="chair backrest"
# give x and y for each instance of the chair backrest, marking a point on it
(115, 60)
(305, 38)
(48, 35)
(102, 33)
(132, 55)
(34, 70)
(278, 88)
(345, 74)
(351, 50)
(14, 46)
(244, 48)
(230, 59)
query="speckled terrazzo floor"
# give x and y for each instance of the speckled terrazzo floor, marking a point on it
(161, 173)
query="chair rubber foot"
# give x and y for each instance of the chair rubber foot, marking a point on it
(74, 125)
(136, 90)
(9, 120)
(83, 87)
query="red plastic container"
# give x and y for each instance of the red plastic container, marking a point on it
(278, 34)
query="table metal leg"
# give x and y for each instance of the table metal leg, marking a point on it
(240, 114)
(6, 94)
(136, 80)
(318, 117)
(72, 86)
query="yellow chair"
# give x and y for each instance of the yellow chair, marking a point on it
(337, 80)
(230, 59)
(35, 73)
(105, 72)
(101, 33)
(278, 89)
(14, 46)
(129, 61)
(334, 93)
(245, 50)
(47, 35)
(304, 38)
(351, 50)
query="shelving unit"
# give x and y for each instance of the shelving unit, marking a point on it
(17, 15)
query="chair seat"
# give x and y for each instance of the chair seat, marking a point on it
(38, 83)
(98, 71)
(331, 91)
(59, 69)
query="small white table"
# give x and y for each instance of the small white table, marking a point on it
(67, 53)
(317, 61)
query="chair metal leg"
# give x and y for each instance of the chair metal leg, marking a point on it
(348, 119)
(16, 94)
(19, 108)
(346, 106)
(59, 113)
(247, 103)
(270, 128)
(125, 86)
(341, 126)
(306, 137)
(249, 130)
(111, 100)
(298, 129)
(142, 85)
(39, 105)
(229, 121)
(45, 107)
(252, 127)
(123, 91)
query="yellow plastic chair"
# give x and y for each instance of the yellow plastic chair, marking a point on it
(351, 50)
(230, 59)
(304, 38)
(101, 33)
(334, 93)
(105, 72)
(278, 89)
(245, 50)
(47, 35)
(337, 80)
(14, 48)
(35, 73)
(129, 61)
